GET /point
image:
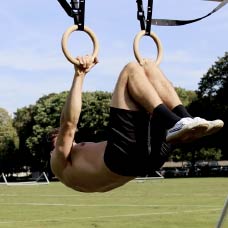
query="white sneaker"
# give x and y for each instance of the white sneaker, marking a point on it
(214, 125)
(187, 130)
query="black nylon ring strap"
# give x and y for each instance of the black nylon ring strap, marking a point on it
(168, 22)
(140, 14)
(79, 14)
(145, 23)
(76, 10)
(149, 17)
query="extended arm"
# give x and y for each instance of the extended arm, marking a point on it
(70, 116)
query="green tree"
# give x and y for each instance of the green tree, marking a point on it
(45, 115)
(23, 124)
(189, 153)
(8, 143)
(214, 84)
(186, 96)
(94, 116)
(212, 102)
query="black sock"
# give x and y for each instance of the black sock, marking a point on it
(165, 117)
(181, 111)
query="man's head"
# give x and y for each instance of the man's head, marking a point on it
(52, 137)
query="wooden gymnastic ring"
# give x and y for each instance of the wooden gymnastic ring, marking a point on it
(157, 42)
(66, 36)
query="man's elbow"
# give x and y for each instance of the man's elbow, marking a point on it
(54, 169)
(68, 126)
(70, 120)
(58, 164)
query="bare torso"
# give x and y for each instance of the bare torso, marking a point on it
(87, 172)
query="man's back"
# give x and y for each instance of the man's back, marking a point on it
(86, 171)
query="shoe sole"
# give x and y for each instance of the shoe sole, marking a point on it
(188, 134)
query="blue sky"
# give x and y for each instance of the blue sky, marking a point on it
(32, 63)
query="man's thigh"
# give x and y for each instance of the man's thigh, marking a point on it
(121, 97)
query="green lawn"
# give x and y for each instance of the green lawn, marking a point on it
(163, 203)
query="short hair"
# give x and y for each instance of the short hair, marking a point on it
(52, 134)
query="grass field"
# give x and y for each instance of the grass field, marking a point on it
(163, 203)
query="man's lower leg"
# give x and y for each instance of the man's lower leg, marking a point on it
(181, 111)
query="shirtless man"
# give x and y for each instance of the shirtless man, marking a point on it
(146, 118)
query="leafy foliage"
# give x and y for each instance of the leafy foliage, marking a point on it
(189, 153)
(214, 84)
(186, 96)
(94, 116)
(212, 103)
(8, 142)
(32, 124)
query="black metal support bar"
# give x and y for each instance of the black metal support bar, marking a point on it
(66, 7)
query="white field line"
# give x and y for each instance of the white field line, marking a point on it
(110, 205)
(212, 196)
(108, 216)
(37, 195)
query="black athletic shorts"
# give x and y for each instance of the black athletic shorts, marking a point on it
(135, 145)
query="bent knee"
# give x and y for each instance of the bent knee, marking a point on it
(151, 69)
(150, 63)
(133, 67)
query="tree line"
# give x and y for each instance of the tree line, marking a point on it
(24, 146)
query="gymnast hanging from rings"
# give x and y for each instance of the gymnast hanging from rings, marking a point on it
(146, 119)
